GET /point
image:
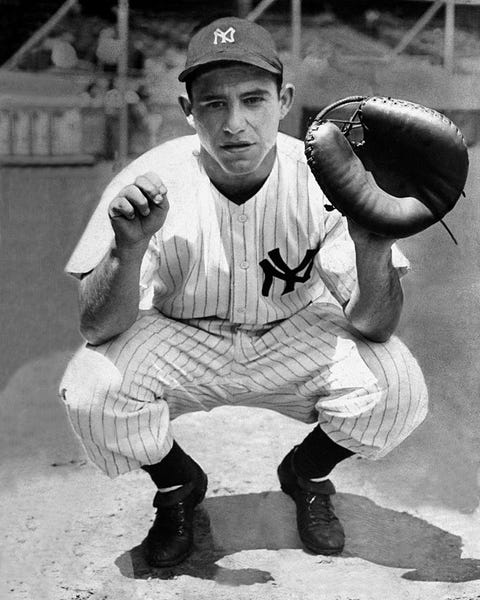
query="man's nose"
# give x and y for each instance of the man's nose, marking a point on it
(234, 121)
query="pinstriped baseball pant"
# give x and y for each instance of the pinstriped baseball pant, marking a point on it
(121, 396)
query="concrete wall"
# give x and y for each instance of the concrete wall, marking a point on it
(43, 211)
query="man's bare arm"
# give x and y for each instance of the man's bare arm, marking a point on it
(109, 295)
(376, 303)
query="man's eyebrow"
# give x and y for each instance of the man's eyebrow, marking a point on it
(209, 96)
(257, 92)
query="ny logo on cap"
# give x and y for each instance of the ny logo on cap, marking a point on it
(223, 36)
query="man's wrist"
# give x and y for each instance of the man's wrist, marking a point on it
(129, 252)
(374, 256)
(374, 244)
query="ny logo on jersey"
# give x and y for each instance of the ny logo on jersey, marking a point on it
(283, 271)
(223, 36)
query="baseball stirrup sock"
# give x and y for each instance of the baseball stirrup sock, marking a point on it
(316, 456)
(175, 469)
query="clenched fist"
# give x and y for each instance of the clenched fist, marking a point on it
(139, 210)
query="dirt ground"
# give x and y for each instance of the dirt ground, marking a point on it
(72, 534)
(69, 533)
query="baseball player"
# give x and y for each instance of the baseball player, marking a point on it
(212, 273)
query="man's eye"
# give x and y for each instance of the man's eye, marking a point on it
(254, 100)
(215, 104)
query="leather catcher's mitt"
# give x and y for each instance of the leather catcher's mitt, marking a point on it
(417, 157)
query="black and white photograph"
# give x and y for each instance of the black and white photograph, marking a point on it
(240, 300)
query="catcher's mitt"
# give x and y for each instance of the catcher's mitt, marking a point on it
(417, 157)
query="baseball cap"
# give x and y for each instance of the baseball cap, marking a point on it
(232, 39)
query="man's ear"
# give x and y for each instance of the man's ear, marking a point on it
(287, 95)
(186, 106)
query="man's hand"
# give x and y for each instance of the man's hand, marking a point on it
(109, 295)
(139, 211)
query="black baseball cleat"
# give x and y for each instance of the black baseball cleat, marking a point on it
(319, 528)
(170, 539)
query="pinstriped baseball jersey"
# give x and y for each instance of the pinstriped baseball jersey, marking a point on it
(256, 263)
(248, 315)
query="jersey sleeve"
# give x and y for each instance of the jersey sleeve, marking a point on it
(98, 235)
(337, 258)
(148, 274)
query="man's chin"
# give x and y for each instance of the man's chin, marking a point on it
(240, 166)
(243, 164)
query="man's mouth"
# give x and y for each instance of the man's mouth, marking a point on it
(236, 146)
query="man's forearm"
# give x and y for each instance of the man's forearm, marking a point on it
(109, 295)
(376, 303)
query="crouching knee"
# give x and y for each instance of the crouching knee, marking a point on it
(405, 402)
(88, 379)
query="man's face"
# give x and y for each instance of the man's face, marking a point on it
(236, 111)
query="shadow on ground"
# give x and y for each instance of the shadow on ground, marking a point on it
(226, 525)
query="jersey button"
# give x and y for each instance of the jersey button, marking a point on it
(244, 264)
(242, 218)
(241, 310)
